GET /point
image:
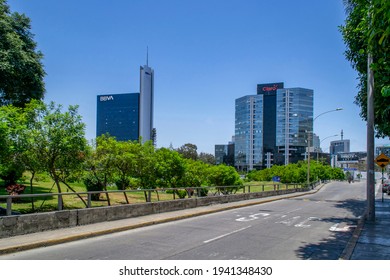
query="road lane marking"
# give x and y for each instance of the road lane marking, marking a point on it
(289, 222)
(304, 224)
(226, 234)
(337, 229)
(252, 217)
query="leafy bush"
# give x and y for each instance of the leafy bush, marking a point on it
(122, 183)
(181, 193)
(222, 175)
(93, 184)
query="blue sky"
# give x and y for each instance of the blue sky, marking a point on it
(205, 54)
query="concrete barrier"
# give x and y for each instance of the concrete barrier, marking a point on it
(30, 223)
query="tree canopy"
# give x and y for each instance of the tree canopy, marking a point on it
(367, 29)
(21, 68)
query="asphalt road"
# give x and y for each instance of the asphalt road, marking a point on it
(316, 226)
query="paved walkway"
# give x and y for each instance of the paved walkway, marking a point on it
(373, 242)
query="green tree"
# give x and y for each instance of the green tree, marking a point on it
(99, 165)
(61, 143)
(367, 29)
(207, 158)
(189, 151)
(21, 69)
(223, 177)
(195, 174)
(169, 168)
(11, 125)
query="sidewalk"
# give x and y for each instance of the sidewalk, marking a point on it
(373, 242)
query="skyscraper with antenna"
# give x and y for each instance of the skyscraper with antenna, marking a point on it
(146, 100)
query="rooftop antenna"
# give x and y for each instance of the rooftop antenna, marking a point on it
(342, 134)
(147, 56)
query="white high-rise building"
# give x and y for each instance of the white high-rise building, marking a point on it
(146, 103)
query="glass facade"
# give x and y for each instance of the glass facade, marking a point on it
(339, 146)
(249, 132)
(224, 154)
(294, 123)
(118, 115)
(268, 91)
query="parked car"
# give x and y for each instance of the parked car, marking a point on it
(386, 186)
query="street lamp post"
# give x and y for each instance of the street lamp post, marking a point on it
(308, 143)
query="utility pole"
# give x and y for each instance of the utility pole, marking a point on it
(370, 132)
(370, 141)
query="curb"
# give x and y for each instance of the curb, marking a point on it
(348, 250)
(75, 237)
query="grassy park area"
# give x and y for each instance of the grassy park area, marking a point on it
(45, 185)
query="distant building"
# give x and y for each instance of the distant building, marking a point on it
(269, 118)
(350, 161)
(385, 149)
(224, 154)
(118, 115)
(249, 132)
(146, 103)
(272, 127)
(128, 116)
(339, 146)
(294, 124)
(316, 144)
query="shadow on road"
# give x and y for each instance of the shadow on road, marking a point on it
(341, 231)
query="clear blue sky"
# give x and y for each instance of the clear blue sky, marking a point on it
(205, 54)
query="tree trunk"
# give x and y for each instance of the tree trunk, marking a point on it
(31, 190)
(57, 183)
(105, 188)
(82, 199)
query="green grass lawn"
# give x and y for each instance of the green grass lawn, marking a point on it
(72, 201)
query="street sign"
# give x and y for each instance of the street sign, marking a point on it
(382, 160)
(276, 179)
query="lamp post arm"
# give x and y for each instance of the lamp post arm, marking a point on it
(338, 109)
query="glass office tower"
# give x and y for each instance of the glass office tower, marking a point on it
(268, 91)
(248, 132)
(294, 124)
(272, 127)
(118, 115)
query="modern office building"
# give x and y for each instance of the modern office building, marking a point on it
(224, 154)
(294, 124)
(316, 144)
(128, 116)
(272, 127)
(339, 146)
(118, 115)
(268, 91)
(146, 103)
(248, 151)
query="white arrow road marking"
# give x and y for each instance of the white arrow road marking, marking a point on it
(227, 234)
(252, 217)
(337, 229)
